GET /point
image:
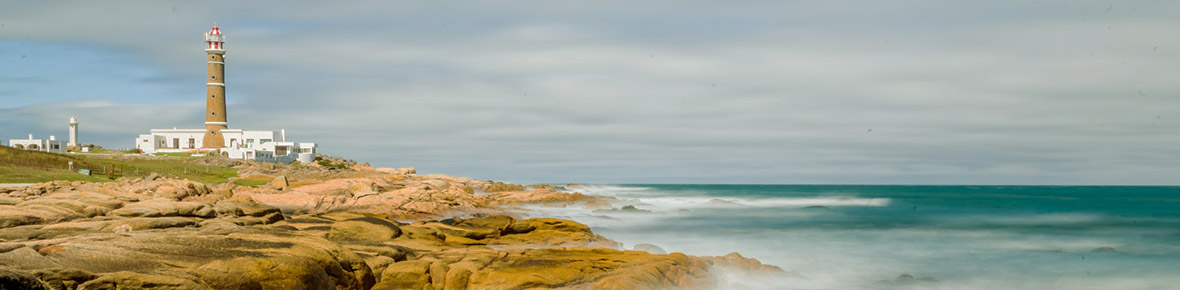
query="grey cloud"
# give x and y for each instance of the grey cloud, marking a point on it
(693, 91)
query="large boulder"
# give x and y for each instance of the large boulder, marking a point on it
(58, 278)
(501, 187)
(280, 183)
(13, 279)
(364, 229)
(406, 275)
(497, 222)
(546, 232)
(234, 259)
(133, 280)
(601, 268)
(165, 208)
(473, 233)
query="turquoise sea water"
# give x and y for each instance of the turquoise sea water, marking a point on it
(965, 237)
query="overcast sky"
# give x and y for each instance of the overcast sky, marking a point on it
(869, 92)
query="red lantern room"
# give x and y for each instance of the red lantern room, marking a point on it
(214, 40)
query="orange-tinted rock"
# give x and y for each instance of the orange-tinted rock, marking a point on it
(364, 229)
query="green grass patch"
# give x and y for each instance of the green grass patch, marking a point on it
(13, 174)
(22, 166)
(168, 166)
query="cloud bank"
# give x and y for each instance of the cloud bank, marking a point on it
(1077, 92)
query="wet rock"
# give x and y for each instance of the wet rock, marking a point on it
(736, 262)
(624, 209)
(649, 248)
(907, 279)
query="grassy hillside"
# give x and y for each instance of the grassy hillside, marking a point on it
(22, 166)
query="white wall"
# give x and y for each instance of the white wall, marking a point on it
(165, 139)
(55, 146)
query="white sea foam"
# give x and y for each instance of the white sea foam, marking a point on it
(687, 198)
(697, 202)
(970, 252)
(611, 190)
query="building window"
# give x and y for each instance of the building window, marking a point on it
(212, 57)
(212, 96)
(213, 113)
(212, 77)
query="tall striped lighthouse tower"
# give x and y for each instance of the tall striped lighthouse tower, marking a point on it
(215, 118)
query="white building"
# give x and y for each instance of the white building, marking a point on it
(271, 146)
(51, 145)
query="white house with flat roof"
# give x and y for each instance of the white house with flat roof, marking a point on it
(50, 145)
(269, 146)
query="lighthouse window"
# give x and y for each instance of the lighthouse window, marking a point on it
(213, 113)
(212, 57)
(213, 96)
(213, 77)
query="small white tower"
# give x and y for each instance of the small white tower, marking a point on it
(73, 132)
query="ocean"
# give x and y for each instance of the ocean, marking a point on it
(946, 237)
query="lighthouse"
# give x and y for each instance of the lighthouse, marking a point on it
(215, 118)
(73, 132)
(216, 137)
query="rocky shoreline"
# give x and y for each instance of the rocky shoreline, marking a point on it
(314, 228)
